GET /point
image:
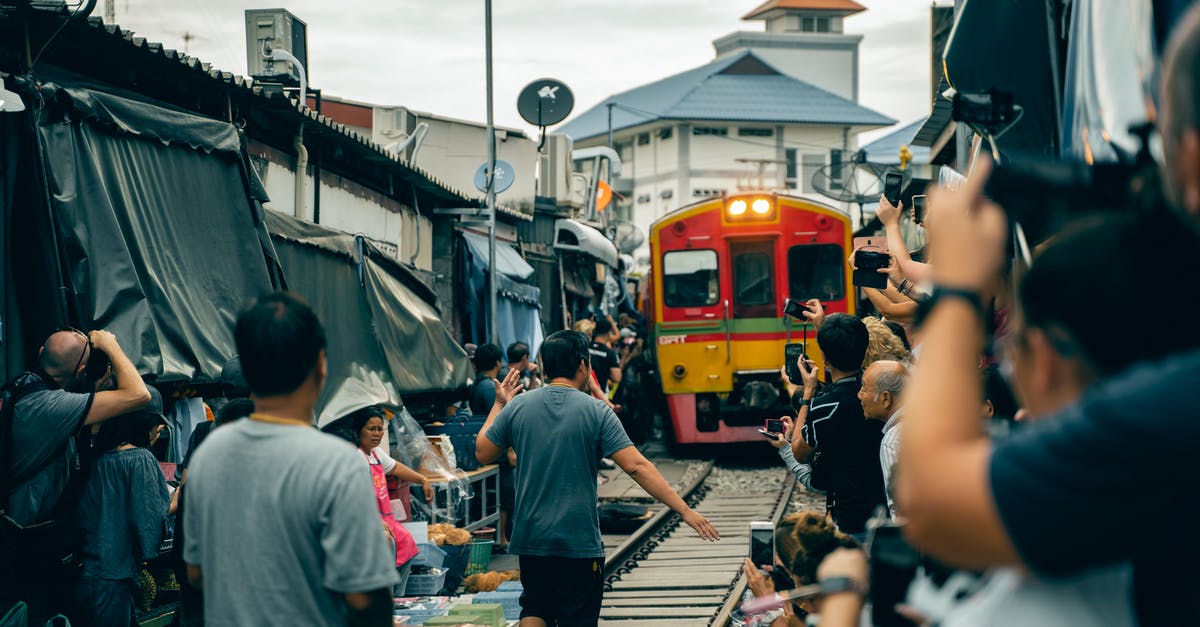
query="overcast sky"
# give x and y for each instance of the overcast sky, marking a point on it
(428, 55)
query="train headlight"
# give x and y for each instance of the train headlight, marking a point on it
(761, 206)
(737, 207)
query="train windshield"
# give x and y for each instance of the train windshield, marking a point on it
(690, 278)
(816, 271)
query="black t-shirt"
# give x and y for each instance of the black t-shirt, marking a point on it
(1113, 478)
(848, 445)
(603, 358)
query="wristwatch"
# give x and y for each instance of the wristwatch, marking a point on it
(835, 585)
(924, 307)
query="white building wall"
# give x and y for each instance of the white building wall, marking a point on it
(830, 69)
(350, 207)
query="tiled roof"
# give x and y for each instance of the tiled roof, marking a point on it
(886, 149)
(843, 6)
(279, 103)
(739, 88)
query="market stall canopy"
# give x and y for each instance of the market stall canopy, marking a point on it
(509, 262)
(574, 236)
(1008, 47)
(385, 337)
(158, 231)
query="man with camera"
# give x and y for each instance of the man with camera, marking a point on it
(832, 426)
(1037, 500)
(50, 405)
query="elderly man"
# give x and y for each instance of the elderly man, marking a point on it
(51, 404)
(882, 383)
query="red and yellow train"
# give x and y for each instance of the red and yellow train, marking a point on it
(721, 273)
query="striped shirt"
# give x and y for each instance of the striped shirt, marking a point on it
(889, 448)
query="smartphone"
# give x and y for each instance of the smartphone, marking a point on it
(893, 182)
(918, 207)
(876, 243)
(796, 309)
(866, 273)
(768, 435)
(774, 425)
(792, 352)
(762, 543)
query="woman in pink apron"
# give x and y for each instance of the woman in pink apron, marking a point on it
(369, 429)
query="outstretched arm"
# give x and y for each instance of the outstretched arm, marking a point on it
(643, 471)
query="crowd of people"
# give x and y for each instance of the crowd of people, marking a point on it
(992, 412)
(1033, 442)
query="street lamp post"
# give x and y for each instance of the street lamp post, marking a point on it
(493, 334)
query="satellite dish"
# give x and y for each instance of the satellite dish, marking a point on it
(856, 181)
(505, 175)
(628, 237)
(545, 102)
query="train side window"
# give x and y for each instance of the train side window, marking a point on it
(690, 278)
(816, 271)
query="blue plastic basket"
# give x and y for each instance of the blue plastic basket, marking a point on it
(509, 600)
(430, 555)
(425, 584)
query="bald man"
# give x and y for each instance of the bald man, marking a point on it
(51, 404)
(882, 383)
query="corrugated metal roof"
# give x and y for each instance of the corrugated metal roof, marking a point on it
(741, 88)
(845, 6)
(416, 176)
(886, 149)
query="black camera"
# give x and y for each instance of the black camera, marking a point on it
(991, 110)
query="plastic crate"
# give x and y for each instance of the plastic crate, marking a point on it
(430, 555)
(480, 557)
(491, 614)
(510, 600)
(418, 610)
(511, 586)
(422, 584)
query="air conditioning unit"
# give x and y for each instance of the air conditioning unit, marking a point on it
(274, 29)
(555, 170)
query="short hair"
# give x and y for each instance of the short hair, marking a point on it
(487, 356)
(804, 539)
(585, 327)
(882, 343)
(997, 392)
(279, 341)
(891, 380)
(1181, 62)
(1111, 262)
(843, 341)
(898, 329)
(235, 409)
(604, 326)
(516, 352)
(562, 353)
(132, 428)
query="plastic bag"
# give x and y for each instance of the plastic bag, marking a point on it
(411, 447)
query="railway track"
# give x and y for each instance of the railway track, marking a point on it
(663, 574)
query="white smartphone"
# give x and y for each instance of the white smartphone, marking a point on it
(762, 543)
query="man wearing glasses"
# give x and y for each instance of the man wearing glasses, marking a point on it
(51, 404)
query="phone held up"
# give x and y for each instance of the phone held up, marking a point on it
(791, 353)
(893, 183)
(796, 309)
(775, 425)
(762, 543)
(871, 255)
(918, 209)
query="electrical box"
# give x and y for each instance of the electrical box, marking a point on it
(274, 29)
(555, 170)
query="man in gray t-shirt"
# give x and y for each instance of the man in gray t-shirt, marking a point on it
(50, 406)
(282, 524)
(559, 434)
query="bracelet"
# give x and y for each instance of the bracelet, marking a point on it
(925, 306)
(905, 286)
(835, 585)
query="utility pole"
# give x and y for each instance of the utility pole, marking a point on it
(610, 108)
(493, 334)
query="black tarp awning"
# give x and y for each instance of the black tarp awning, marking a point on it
(1011, 46)
(156, 227)
(385, 336)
